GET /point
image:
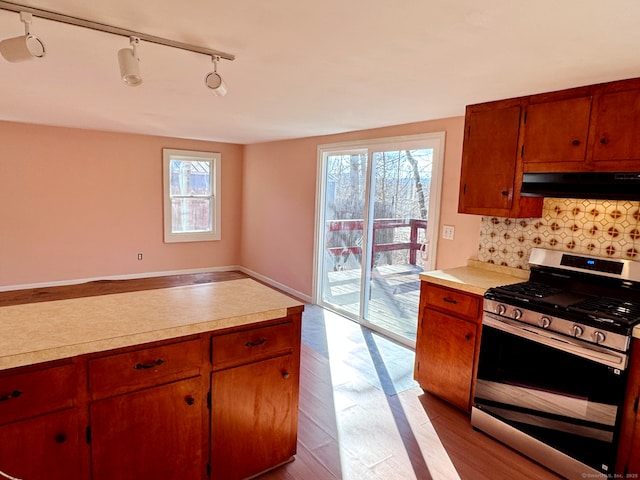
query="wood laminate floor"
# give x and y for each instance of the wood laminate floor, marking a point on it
(366, 420)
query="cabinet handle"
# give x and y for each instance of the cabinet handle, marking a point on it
(285, 374)
(140, 366)
(504, 193)
(468, 336)
(190, 400)
(255, 344)
(575, 143)
(449, 300)
(61, 438)
(14, 394)
(604, 140)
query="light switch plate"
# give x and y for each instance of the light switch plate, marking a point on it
(448, 232)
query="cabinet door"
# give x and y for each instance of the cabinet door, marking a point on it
(445, 353)
(634, 458)
(154, 433)
(254, 415)
(44, 448)
(557, 132)
(617, 128)
(489, 161)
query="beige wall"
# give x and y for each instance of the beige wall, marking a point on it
(279, 203)
(77, 204)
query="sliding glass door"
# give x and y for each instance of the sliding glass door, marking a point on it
(377, 210)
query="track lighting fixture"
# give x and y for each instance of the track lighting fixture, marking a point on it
(24, 47)
(130, 63)
(28, 46)
(214, 81)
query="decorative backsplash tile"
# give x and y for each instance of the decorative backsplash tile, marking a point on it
(596, 227)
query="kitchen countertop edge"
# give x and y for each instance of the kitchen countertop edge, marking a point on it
(29, 346)
(476, 277)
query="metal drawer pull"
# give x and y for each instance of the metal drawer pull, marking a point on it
(255, 344)
(449, 300)
(14, 394)
(285, 374)
(157, 363)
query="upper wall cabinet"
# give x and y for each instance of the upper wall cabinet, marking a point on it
(583, 129)
(617, 129)
(592, 128)
(556, 132)
(491, 167)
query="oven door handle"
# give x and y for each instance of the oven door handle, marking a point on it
(591, 352)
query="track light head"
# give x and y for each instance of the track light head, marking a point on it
(24, 47)
(130, 63)
(214, 81)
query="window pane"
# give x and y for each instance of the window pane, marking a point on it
(191, 215)
(190, 177)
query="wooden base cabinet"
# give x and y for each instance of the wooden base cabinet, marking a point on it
(447, 343)
(253, 418)
(48, 447)
(41, 435)
(220, 405)
(154, 433)
(254, 400)
(628, 459)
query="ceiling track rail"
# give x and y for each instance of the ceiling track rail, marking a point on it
(80, 22)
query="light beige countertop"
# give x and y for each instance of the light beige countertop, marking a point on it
(476, 277)
(39, 332)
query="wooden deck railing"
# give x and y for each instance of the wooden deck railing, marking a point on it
(381, 224)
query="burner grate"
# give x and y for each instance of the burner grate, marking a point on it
(613, 307)
(530, 289)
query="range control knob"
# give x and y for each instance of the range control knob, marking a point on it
(517, 314)
(544, 322)
(500, 309)
(577, 330)
(598, 336)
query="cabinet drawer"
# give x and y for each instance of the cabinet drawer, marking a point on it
(142, 368)
(33, 393)
(244, 347)
(457, 303)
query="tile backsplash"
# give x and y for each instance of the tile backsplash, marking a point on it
(595, 227)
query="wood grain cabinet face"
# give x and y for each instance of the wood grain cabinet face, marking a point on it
(253, 417)
(617, 129)
(556, 132)
(40, 435)
(628, 459)
(254, 399)
(154, 433)
(447, 343)
(491, 167)
(47, 447)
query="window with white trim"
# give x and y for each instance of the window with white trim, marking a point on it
(191, 195)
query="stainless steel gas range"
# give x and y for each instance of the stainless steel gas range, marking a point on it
(552, 369)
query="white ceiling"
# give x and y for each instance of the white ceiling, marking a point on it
(309, 67)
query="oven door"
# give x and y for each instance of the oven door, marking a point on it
(565, 394)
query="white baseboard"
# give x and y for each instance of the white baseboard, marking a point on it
(269, 281)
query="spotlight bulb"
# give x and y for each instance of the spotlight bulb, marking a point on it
(214, 81)
(130, 64)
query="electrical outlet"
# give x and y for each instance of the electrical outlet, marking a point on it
(139, 256)
(448, 231)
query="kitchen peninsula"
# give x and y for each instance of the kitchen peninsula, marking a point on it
(162, 379)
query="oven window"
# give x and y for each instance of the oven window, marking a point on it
(564, 400)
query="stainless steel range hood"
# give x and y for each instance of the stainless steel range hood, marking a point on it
(600, 185)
